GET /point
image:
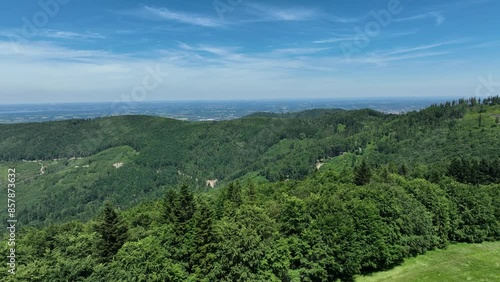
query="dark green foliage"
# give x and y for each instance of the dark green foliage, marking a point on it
(231, 199)
(205, 242)
(434, 198)
(494, 192)
(475, 219)
(475, 172)
(184, 207)
(144, 260)
(362, 174)
(294, 216)
(234, 194)
(184, 210)
(403, 170)
(312, 230)
(112, 233)
(169, 206)
(245, 250)
(251, 193)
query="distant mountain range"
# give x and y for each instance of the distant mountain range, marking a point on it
(201, 110)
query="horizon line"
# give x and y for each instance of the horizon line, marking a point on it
(243, 100)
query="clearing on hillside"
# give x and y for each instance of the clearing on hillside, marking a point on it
(461, 262)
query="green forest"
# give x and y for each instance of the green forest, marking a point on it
(319, 195)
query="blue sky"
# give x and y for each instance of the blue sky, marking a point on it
(86, 51)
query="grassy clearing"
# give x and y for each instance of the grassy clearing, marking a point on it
(461, 262)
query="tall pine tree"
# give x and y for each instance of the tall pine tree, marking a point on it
(204, 241)
(184, 208)
(362, 174)
(169, 201)
(112, 233)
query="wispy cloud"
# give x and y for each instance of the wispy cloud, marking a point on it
(47, 51)
(458, 4)
(272, 13)
(423, 47)
(384, 57)
(59, 70)
(346, 20)
(48, 70)
(273, 60)
(337, 39)
(487, 44)
(351, 37)
(437, 16)
(52, 33)
(409, 56)
(181, 17)
(70, 35)
(229, 53)
(384, 60)
(298, 51)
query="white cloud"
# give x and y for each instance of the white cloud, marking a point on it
(17, 39)
(216, 50)
(384, 57)
(192, 19)
(272, 13)
(437, 16)
(43, 71)
(422, 47)
(345, 20)
(47, 51)
(298, 51)
(338, 38)
(344, 38)
(70, 35)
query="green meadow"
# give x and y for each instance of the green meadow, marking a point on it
(460, 262)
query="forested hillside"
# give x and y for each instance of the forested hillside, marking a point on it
(319, 195)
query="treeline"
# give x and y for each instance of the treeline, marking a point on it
(329, 227)
(475, 171)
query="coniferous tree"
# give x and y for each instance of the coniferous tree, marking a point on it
(204, 241)
(403, 170)
(234, 193)
(184, 208)
(231, 199)
(362, 174)
(455, 170)
(251, 193)
(169, 201)
(112, 233)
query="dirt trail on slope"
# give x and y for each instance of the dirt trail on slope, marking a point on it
(42, 169)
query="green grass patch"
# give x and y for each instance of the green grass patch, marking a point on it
(461, 262)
